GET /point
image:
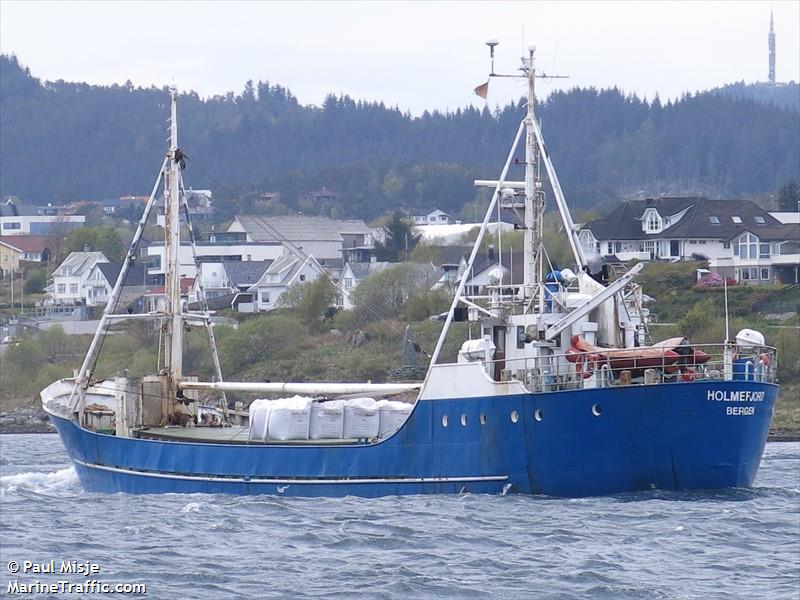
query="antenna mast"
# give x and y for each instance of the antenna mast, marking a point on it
(173, 323)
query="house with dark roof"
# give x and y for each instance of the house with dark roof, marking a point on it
(352, 275)
(226, 278)
(492, 269)
(737, 237)
(102, 278)
(34, 248)
(22, 219)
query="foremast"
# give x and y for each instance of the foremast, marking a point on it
(173, 318)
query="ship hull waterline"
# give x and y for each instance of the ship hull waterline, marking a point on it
(670, 436)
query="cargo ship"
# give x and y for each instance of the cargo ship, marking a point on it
(558, 392)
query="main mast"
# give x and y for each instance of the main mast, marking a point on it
(173, 321)
(534, 198)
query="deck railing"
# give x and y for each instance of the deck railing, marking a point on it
(607, 367)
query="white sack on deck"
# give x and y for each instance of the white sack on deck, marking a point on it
(361, 418)
(289, 418)
(392, 415)
(259, 418)
(327, 420)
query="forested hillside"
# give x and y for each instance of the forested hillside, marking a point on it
(64, 141)
(781, 94)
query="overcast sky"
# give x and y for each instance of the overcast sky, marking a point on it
(417, 56)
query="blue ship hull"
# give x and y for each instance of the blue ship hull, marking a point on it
(705, 434)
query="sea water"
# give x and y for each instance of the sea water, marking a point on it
(741, 543)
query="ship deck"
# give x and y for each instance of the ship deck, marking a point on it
(225, 435)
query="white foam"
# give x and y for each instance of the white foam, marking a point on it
(40, 482)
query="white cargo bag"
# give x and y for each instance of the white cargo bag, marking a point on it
(392, 415)
(259, 417)
(289, 418)
(361, 419)
(327, 420)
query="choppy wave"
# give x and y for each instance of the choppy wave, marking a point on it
(657, 544)
(47, 483)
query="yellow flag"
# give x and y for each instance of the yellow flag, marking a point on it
(482, 90)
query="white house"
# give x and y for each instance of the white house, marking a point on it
(228, 277)
(318, 236)
(101, 279)
(696, 228)
(20, 219)
(435, 217)
(281, 274)
(352, 275)
(34, 248)
(212, 252)
(71, 276)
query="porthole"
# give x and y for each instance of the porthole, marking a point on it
(514, 416)
(596, 410)
(483, 419)
(445, 421)
(537, 414)
(463, 420)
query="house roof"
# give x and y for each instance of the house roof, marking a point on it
(12, 209)
(515, 261)
(30, 243)
(286, 268)
(80, 262)
(362, 270)
(135, 275)
(299, 228)
(186, 285)
(704, 218)
(245, 272)
(9, 245)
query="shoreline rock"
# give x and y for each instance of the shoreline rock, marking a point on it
(25, 420)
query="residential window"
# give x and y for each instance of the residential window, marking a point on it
(653, 221)
(714, 220)
(764, 274)
(763, 251)
(726, 245)
(339, 301)
(610, 248)
(760, 220)
(73, 288)
(748, 246)
(265, 297)
(302, 277)
(618, 247)
(348, 282)
(62, 288)
(754, 274)
(736, 219)
(443, 218)
(12, 225)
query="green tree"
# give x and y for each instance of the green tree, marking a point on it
(310, 300)
(384, 294)
(35, 281)
(400, 239)
(103, 239)
(789, 197)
